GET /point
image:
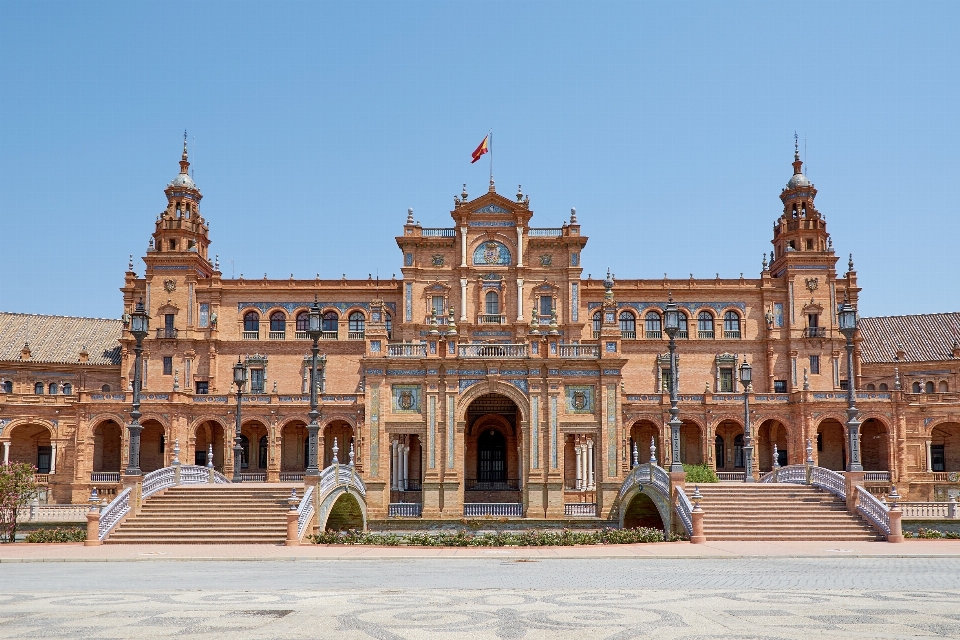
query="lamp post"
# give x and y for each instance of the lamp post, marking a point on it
(848, 327)
(746, 375)
(239, 379)
(671, 325)
(139, 326)
(313, 429)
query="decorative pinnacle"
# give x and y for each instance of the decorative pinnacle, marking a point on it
(796, 146)
(573, 215)
(184, 144)
(519, 193)
(850, 263)
(463, 194)
(410, 215)
(130, 263)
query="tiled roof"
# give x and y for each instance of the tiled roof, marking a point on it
(59, 339)
(922, 338)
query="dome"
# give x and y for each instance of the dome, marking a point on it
(183, 180)
(798, 180)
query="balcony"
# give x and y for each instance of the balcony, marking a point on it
(166, 333)
(704, 335)
(438, 232)
(278, 335)
(546, 232)
(404, 510)
(683, 335)
(355, 335)
(111, 477)
(876, 476)
(579, 351)
(488, 318)
(406, 350)
(653, 335)
(626, 335)
(328, 335)
(493, 509)
(250, 335)
(300, 335)
(291, 476)
(732, 335)
(510, 484)
(492, 350)
(580, 509)
(815, 332)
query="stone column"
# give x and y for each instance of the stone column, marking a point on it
(520, 299)
(53, 458)
(929, 459)
(579, 484)
(6, 452)
(393, 465)
(463, 248)
(406, 466)
(463, 299)
(519, 246)
(591, 471)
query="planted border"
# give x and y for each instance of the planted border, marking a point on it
(528, 538)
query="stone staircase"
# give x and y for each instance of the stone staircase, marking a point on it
(739, 511)
(209, 514)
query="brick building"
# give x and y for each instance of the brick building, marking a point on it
(492, 372)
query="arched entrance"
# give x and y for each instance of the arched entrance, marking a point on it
(831, 452)
(255, 450)
(641, 434)
(728, 446)
(30, 443)
(491, 455)
(345, 514)
(208, 433)
(107, 445)
(691, 448)
(874, 446)
(641, 511)
(945, 447)
(771, 432)
(293, 447)
(153, 444)
(343, 432)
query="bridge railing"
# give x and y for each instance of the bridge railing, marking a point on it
(113, 513)
(684, 510)
(304, 512)
(873, 510)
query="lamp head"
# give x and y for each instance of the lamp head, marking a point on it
(239, 374)
(671, 318)
(746, 372)
(847, 315)
(139, 321)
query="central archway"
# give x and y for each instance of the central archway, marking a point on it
(492, 450)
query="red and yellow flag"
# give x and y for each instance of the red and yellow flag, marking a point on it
(482, 149)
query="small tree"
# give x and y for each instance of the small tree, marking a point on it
(17, 487)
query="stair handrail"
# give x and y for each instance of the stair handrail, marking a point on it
(875, 511)
(304, 512)
(684, 509)
(340, 475)
(158, 481)
(113, 513)
(792, 474)
(830, 480)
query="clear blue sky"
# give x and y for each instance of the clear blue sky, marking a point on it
(313, 126)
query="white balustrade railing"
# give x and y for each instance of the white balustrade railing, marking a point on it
(111, 477)
(731, 476)
(580, 509)
(53, 513)
(660, 479)
(438, 232)
(304, 512)
(791, 474)
(291, 476)
(404, 350)
(684, 509)
(830, 480)
(929, 510)
(113, 513)
(492, 351)
(404, 510)
(339, 475)
(493, 509)
(874, 510)
(194, 474)
(579, 351)
(158, 481)
(253, 476)
(876, 476)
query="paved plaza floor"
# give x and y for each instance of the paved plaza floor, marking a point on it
(836, 592)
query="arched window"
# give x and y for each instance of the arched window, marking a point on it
(944, 387)
(705, 325)
(916, 387)
(251, 322)
(628, 325)
(870, 387)
(684, 326)
(720, 454)
(67, 389)
(328, 323)
(105, 388)
(38, 389)
(278, 321)
(653, 325)
(731, 325)
(928, 388)
(356, 325)
(387, 320)
(492, 304)
(7, 386)
(883, 386)
(597, 323)
(303, 321)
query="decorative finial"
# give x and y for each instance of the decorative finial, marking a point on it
(829, 244)
(210, 456)
(492, 186)
(274, 386)
(519, 193)
(351, 453)
(335, 450)
(764, 261)
(806, 381)
(176, 379)
(176, 452)
(554, 330)
(896, 379)
(130, 263)
(608, 282)
(184, 144)
(636, 455)
(463, 194)
(653, 452)
(893, 496)
(410, 215)
(771, 257)
(216, 262)
(776, 457)
(796, 146)
(809, 451)
(451, 326)
(850, 263)
(573, 215)
(697, 497)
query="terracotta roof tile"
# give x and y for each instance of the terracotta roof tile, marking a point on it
(923, 338)
(59, 339)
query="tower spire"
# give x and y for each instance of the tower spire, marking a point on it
(184, 163)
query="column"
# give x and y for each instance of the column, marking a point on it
(591, 472)
(393, 465)
(519, 246)
(53, 458)
(579, 482)
(520, 299)
(6, 452)
(463, 299)
(584, 462)
(406, 466)
(929, 459)
(186, 376)
(463, 247)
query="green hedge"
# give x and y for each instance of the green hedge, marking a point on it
(74, 534)
(700, 473)
(528, 538)
(932, 534)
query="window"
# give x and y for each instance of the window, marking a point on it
(202, 387)
(52, 389)
(38, 388)
(7, 386)
(244, 452)
(652, 324)
(738, 451)
(173, 245)
(67, 389)
(257, 380)
(683, 325)
(436, 306)
(704, 325)
(263, 452)
(726, 380)
(944, 387)
(815, 365)
(328, 322)
(492, 302)
(389, 322)
(916, 387)
(598, 323)
(813, 320)
(843, 385)
(303, 321)
(819, 442)
(883, 386)
(628, 324)
(546, 306)
(809, 245)
(720, 454)
(871, 387)
(44, 456)
(278, 322)
(251, 322)
(927, 388)
(731, 325)
(938, 458)
(779, 386)
(665, 380)
(357, 324)
(168, 365)
(204, 314)
(105, 388)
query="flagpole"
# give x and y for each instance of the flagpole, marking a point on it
(491, 157)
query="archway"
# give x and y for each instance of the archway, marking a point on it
(256, 454)
(30, 443)
(107, 445)
(641, 511)
(293, 447)
(728, 446)
(152, 446)
(691, 447)
(831, 449)
(343, 432)
(209, 433)
(491, 455)
(874, 449)
(345, 514)
(771, 432)
(945, 447)
(641, 434)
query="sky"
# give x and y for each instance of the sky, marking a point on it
(313, 126)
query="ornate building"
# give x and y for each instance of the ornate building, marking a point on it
(491, 373)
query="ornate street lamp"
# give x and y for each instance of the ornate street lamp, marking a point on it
(313, 429)
(139, 326)
(671, 325)
(848, 327)
(239, 379)
(746, 375)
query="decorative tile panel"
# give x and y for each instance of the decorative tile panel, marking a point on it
(465, 384)
(535, 432)
(520, 384)
(406, 372)
(408, 301)
(406, 398)
(491, 208)
(374, 429)
(491, 252)
(553, 432)
(433, 431)
(575, 302)
(580, 398)
(612, 430)
(451, 423)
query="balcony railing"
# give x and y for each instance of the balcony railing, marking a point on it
(704, 335)
(164, 333)
(579, 351)
(328, 335)
(735, 335)
(251, 476)
(545, 232)
(510, 484)
(291, 476)
(355, 335)
(492, 350)
(580, 509)
(406, 350)
(876, 476)
(655, 335)
(105, 476)
(438, 232)
(301, 335)
(404, 510)
(278, 335)
(814, 332)
(487, 318)
(683, 335)
(596, 335)
(41, 478)
(730, 476)
(626, 335)
(251, 335)
(493, 509)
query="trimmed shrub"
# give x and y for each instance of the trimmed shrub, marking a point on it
(523, 538)
(932, 534)
(700, 473)
(73, 534)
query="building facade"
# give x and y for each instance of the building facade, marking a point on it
(491, 372)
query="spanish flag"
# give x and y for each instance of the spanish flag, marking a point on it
(482, 149)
